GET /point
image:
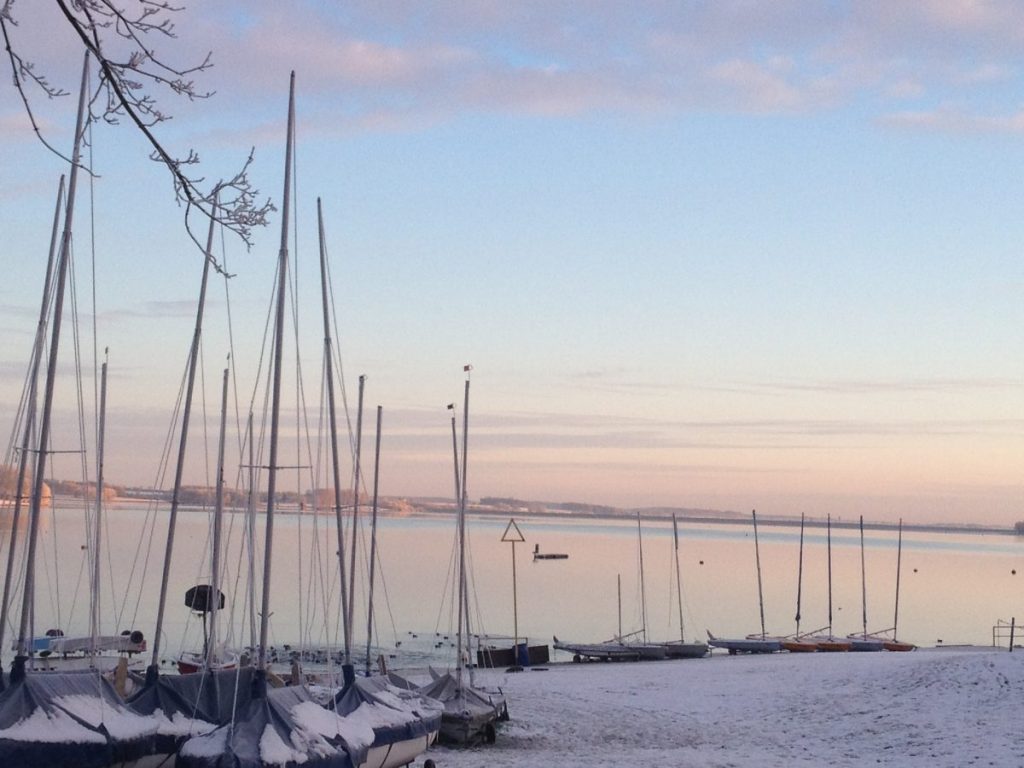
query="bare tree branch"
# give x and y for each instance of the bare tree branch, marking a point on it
(129, 69)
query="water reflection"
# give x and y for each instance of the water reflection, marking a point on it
(954, 586)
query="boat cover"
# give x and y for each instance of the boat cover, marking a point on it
(69, 718)
(470, 714)
(189, 705)
(393, 713)
(284, 727)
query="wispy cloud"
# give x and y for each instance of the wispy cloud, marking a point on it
(954, 121)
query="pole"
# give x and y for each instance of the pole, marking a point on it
(462, 518)
(51, 374)
(679, 582)
(373, 543)
(275, 408)
(829, 530)
(515, 611)
(863, 582)
(899, 557)
(332, 415)
(30, 415)
(355, 515)
(618, 582)
(179, 471)
(218, 514)
(800, 576)
(94, 619)
(643, 591)
(251, 536)
(760, 592)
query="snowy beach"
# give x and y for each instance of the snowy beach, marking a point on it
(926, 708)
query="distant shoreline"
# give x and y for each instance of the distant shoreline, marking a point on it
(395, 507)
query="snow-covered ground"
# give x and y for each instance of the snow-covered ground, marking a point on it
(926, 708)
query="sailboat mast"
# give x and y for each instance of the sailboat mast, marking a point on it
(679, 581)
(373, 543)
(94, 617)
(618, 583)
(800, 575)
(458, 536)
(30, 414)
(250, 530)
(332, 415)
(51, 376)
(218, 514)
(462, 525)
(863, 582)
(899, 556)
(275, 409)
(828, 524)
(355, 516)
(179, 471)
(760, 591)
(643, 590)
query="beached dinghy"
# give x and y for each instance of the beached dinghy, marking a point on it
(745, 644)
(761, 643)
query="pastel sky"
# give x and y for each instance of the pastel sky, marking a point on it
(726, 254)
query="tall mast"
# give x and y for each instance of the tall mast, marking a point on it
(30, 414)
(373, 543)
(899, 557)
(679, 581)
(94, 617)
(179, 471)
(760, 592)
(218, 514)
(863, 582)
(462, 530)
(458, 538)
(800, 575)
(250, 530)
(643, 590)
(618, 584)
(829, 529)
(18, 668)
(355, 519)
(332, 415)
(275, 408)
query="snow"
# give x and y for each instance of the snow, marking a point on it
(211, 745)
(926, 708)
(120, 722)
(53, 728)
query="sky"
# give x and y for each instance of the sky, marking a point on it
(724, 255)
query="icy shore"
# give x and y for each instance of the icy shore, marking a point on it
(926, 708)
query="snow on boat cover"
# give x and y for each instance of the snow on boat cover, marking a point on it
(284, 727)
(69, 718)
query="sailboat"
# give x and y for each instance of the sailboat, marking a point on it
(681, 649)
(632, 646)
(207, 599)
(889, 637)
(278, 725)
(829, 643)
(470, 714)
(752, 643)
(62, 718)
(863, 642)
(795, 643)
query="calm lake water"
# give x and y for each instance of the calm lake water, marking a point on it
(954, 587)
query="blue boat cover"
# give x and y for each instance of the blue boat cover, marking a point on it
(284, 727)
(69, 718)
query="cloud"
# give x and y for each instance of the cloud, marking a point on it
(954, 121)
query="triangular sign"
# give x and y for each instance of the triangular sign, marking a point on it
(512, 533)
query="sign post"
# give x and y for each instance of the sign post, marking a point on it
(514, 536)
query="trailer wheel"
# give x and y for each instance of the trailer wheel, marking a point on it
(428, 763)
(490, 735)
